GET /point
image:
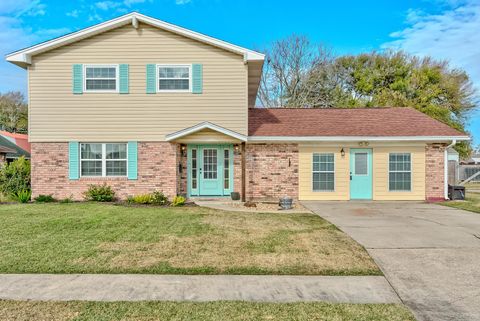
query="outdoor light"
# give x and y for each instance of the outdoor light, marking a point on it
(236, 148)
(183, 148)
(342, 152)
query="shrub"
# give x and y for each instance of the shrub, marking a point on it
(99, 193)
(67, 200)
(15, 177)
(142, 199)
(23, 196)
(44, 199)
(159, 198)
(178, 201)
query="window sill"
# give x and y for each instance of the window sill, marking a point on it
(103, 178)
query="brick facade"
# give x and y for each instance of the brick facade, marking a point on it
(434, 172)
(271, 171)
(157, 170)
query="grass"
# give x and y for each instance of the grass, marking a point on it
(188, 311)
(106, 238)
(471, 202)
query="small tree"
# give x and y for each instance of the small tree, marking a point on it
(15, 177)
(13, 112)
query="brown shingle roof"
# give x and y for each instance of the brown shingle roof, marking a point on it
(396, 121)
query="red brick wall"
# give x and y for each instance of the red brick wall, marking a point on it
(157, 169)
(272, 171)
(434, 172)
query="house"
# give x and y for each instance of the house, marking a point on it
(13, 146)
(145, 105)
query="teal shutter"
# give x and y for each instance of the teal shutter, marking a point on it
(123, 75)
(73, 160)
(151, 79)
(77, 79)
(132, 160)
(197, 78)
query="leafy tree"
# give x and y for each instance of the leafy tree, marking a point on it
(13, 112)
(299, 74)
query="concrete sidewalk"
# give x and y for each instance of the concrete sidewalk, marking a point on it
(133, 287)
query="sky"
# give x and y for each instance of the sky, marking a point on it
(444, 29)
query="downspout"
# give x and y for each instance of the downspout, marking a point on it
(445, 165)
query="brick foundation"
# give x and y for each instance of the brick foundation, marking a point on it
(272, 171)
(157, 170)
(434, 172)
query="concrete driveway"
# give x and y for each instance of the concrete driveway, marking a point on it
(429, 253)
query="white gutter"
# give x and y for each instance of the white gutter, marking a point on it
(353, 138)
(445, 167)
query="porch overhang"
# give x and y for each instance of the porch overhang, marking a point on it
(205, 126)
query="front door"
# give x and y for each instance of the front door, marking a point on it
(361, 173)
(210, 169)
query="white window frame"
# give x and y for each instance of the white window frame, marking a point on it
(410, 171)
(332, 172)
(103, 159)
(157, 78)
(117, 78)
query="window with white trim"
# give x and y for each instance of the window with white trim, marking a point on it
(400, 172)
(101, 78)
(103, 159)
(174, 78)
(323, 172)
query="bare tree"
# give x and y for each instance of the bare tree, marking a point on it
(13, 112)
(293, 71)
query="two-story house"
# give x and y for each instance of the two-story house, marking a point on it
(145, 105)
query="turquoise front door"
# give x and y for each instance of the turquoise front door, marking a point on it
(210, 170)
(361, 174)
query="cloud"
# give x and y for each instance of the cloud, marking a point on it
(453, 34)
(74, 13)
(107, 5)
(182, 2)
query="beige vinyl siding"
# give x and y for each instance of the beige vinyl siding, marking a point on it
(342, 176)
(380, 172)
(56, 114)
(207, 136)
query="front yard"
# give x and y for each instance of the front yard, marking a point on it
(471, 203)
(106, 238)
(187, 311)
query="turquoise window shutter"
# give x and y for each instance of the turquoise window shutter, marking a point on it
(151, 79)
(123, 75)
(77, 79)
(132, 160)
(197, 78)
(73, 160)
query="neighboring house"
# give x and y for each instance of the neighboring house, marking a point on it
(144, 105)
(16, 144)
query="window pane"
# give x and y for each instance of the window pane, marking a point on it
(210, 164)
(91, 151)
(173, 72)
(361, 164)
(400, 176)
(116, 168)
(116, 151)
(174, 84)
(226, 166)
(91, 168)
(101, 84)
(194, 168)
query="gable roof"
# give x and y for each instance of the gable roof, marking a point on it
(23, 57)
(16, 151)
(201, 126)
(398, 123)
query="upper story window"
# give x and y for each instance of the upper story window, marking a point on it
(174, 78)
(101, 78)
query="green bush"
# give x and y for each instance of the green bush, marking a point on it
(99, 193)
(44, 199)
(178, 201)
(66, 200)
(142, 199)
(15, 177)
(158, 198)
(23, 196)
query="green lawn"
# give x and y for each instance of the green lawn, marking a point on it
(106, 238)
(213, 311)
(471, 203)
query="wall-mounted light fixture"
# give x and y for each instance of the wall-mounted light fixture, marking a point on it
(183, 149)
(342, 152)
